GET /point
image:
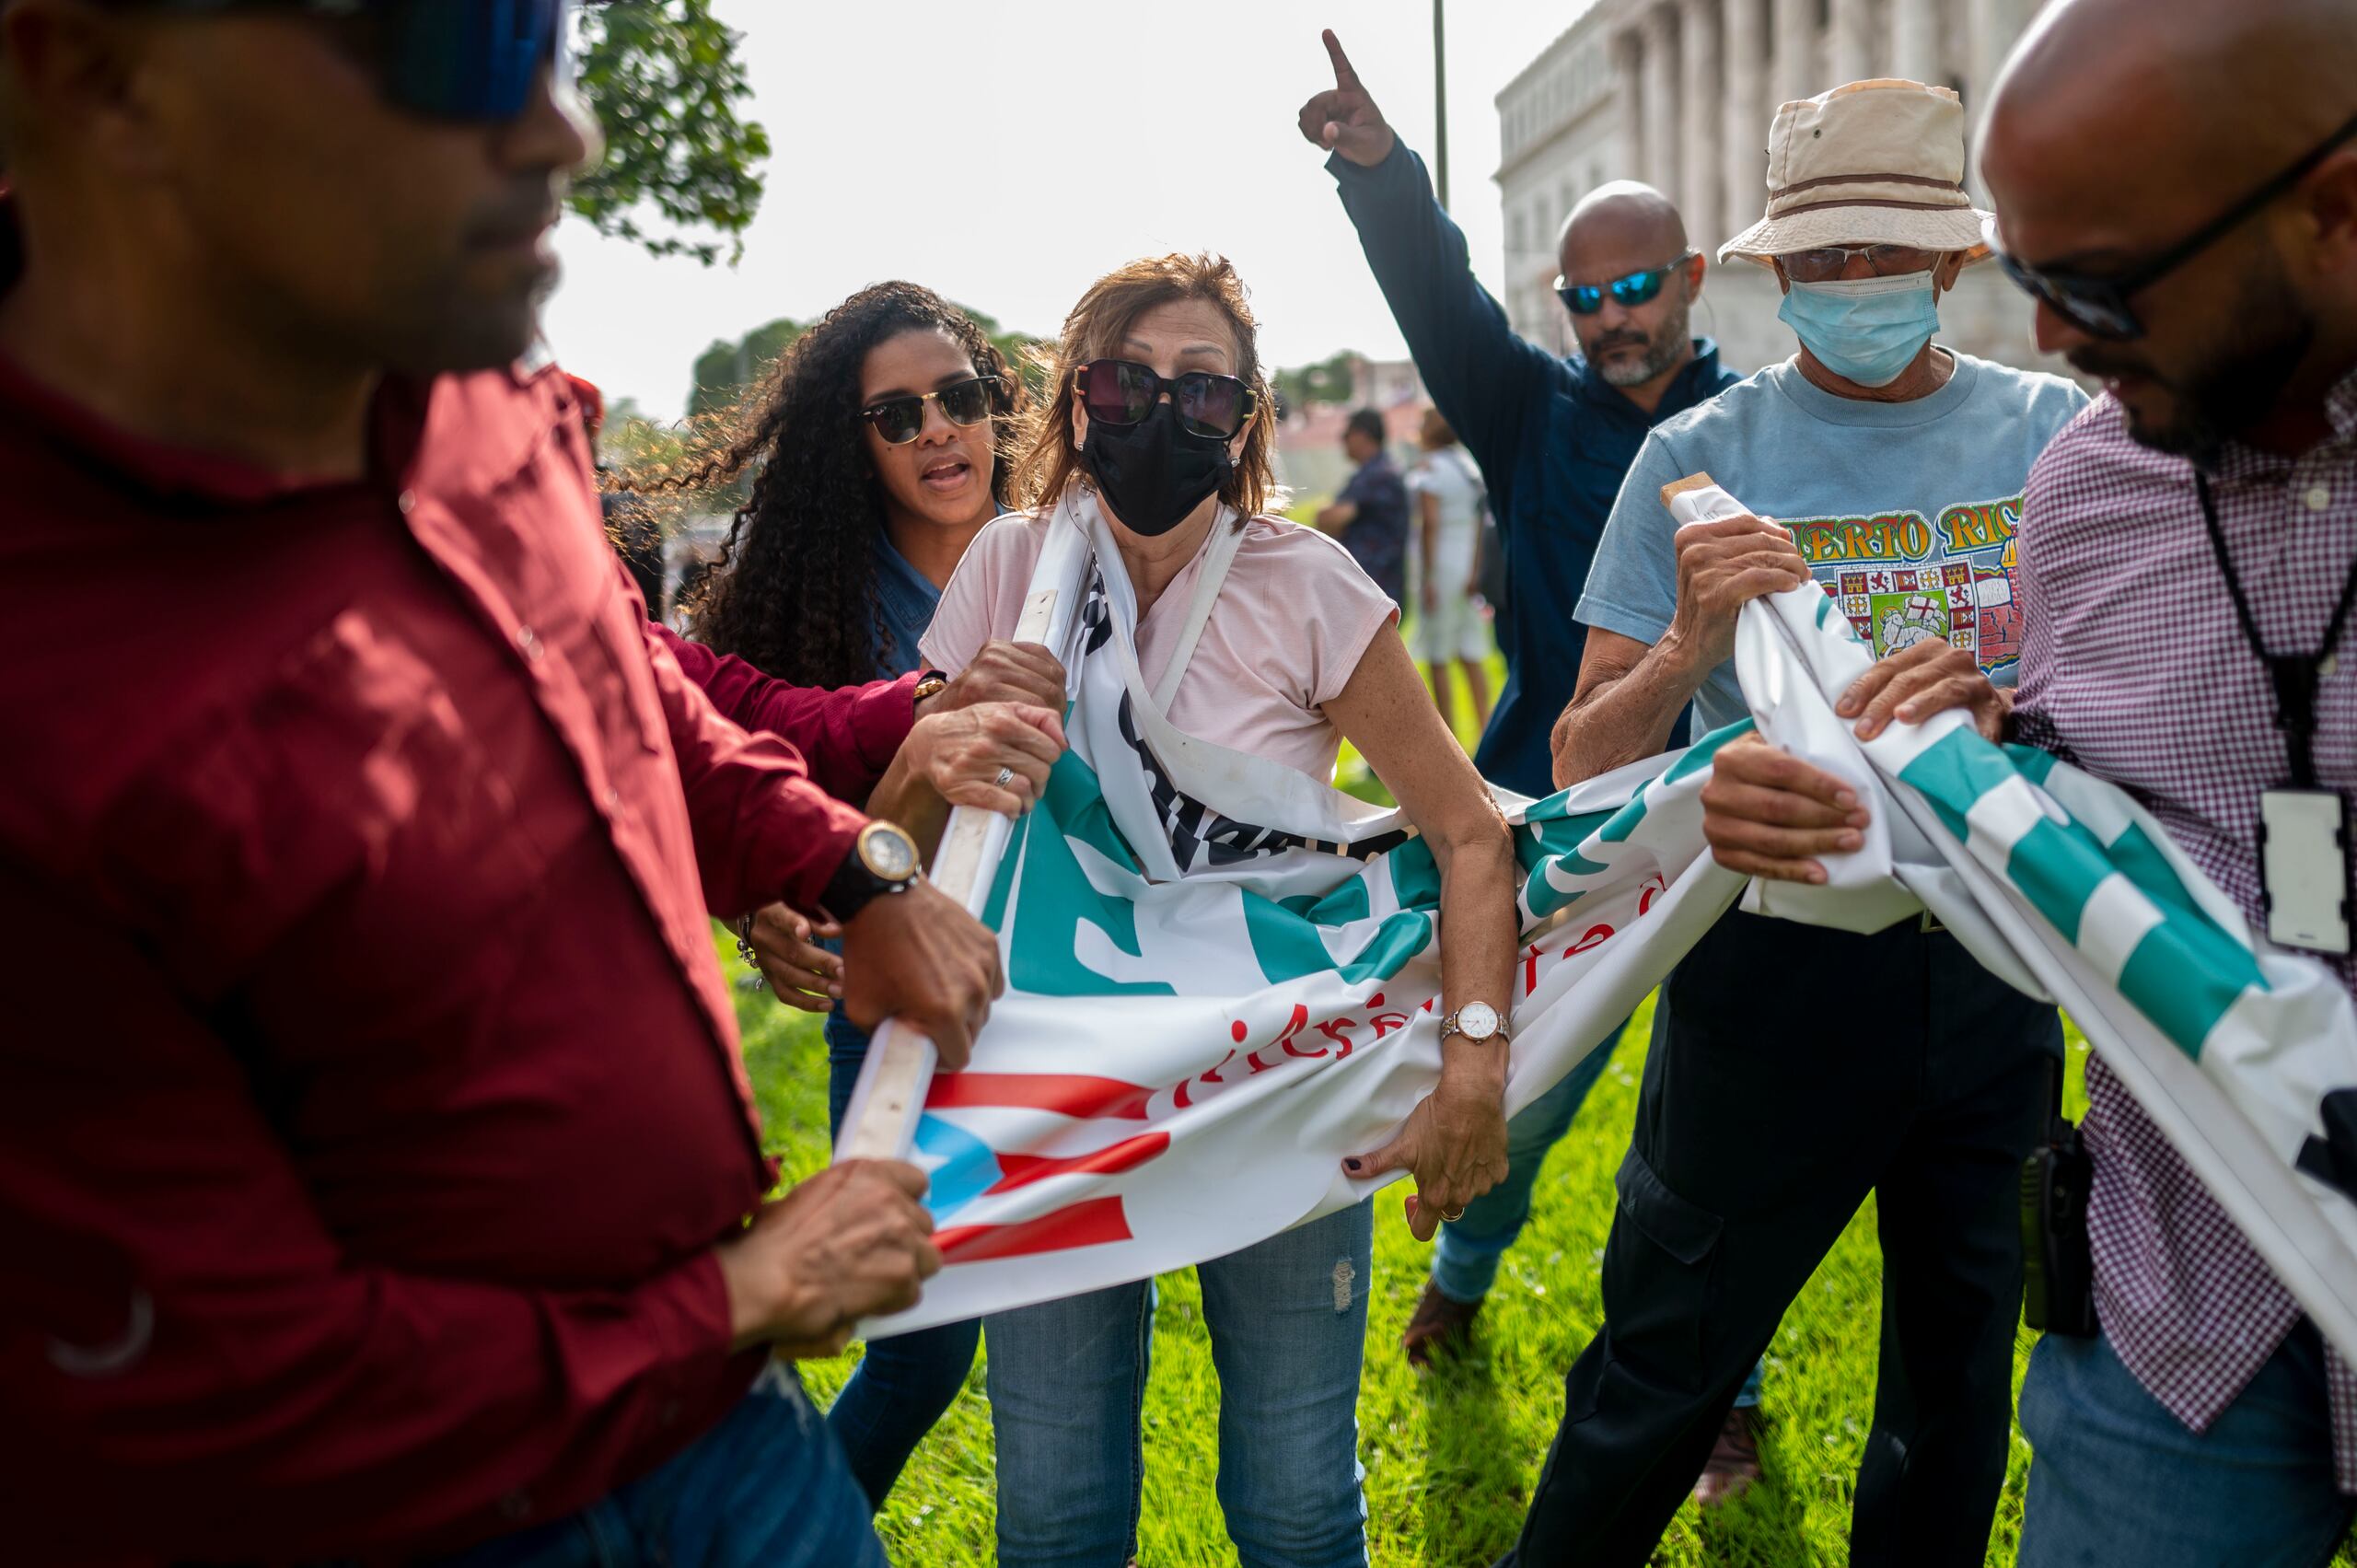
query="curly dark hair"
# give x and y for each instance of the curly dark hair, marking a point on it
(794, 592)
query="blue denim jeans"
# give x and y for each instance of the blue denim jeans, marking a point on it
(903, 1384)
(1467, 1253)
(765, 1489)
(1288, 1327)
(2115, 1478)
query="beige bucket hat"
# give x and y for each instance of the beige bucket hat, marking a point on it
(1872, 163)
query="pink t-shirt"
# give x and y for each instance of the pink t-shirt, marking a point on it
(1286, 634)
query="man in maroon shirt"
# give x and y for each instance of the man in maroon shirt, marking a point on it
(374, 1149)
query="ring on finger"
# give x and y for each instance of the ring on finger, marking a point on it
(1453, 1215)
(1005, 777)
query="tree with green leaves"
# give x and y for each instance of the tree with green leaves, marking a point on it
(666, 83)
(726, 370)
(1327, 381)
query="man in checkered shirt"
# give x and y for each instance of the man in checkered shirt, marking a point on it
(2176, 182)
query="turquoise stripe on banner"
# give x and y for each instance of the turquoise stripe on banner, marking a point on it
(1558, 840)
(1624, 821)
(2057, 870)
(1415, 877)
(1055, 895)
(1401, 937)
(2184, 975)
(2141, 862)
(1953, 773)
(1698, 756)
(2030, 762)
(1286, 945)
(1339, 906)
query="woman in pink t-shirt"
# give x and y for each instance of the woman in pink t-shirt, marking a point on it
(1160, 410)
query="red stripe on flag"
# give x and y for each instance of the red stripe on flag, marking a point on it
(1090, 1224)
(1066, 1095)
(1127, 1154)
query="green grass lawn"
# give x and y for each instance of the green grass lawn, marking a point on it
(1450, 1457)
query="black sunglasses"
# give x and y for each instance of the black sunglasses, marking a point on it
(899, 420)
(1587, 298)
(1121, 392)
(2099, 306)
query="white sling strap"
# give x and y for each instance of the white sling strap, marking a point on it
(1219, 554)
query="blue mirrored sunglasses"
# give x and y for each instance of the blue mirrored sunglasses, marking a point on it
(1587, 298)
(473, 59)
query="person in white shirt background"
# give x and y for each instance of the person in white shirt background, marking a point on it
(1448, 496)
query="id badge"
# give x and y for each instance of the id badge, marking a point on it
(2304, 867)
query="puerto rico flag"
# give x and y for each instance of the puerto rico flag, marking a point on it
(996, 1145)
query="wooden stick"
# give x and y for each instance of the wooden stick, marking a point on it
(881, 1118)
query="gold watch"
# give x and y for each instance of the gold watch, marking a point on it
(933, 685)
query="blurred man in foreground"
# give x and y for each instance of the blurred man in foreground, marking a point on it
(375, 1156)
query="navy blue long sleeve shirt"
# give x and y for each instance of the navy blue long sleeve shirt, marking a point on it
(1553, 439)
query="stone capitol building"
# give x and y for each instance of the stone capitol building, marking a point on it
(1680, 94)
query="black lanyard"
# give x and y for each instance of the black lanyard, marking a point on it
(2295, 675)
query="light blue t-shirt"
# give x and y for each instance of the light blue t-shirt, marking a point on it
(1906, 511)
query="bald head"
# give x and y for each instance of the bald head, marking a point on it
(2154, 115)
(1613, 222)
(2122, 132)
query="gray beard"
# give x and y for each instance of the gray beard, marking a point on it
(1663, 353)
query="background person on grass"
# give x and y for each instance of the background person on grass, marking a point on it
(2177, 188)
(1160, 420)
(1446, 488)
(1931, 1073)
(1370, 516)
(875, 455)
(1553, 437)
(404, 1205)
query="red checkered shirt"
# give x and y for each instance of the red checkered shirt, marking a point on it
(2133, 667)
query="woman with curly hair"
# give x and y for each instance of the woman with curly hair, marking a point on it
(874, 449)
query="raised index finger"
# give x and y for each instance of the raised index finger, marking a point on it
(1344, 76)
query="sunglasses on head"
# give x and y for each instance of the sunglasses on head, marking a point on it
(2100, 307)
(1123, 392)
(899, 420)
(1587, 298)
(466, 59)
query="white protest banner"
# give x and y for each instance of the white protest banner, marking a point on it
(1223, 975)
(1208, 1007)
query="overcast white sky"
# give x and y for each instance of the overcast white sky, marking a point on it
(963, 145)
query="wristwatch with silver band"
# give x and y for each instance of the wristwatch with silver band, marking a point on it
(1476, 1021)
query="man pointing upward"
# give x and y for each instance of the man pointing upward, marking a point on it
(1553, 436)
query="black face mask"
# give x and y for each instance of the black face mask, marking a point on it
(1153, 473)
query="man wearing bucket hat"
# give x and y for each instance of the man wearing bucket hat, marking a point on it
(1895, 467)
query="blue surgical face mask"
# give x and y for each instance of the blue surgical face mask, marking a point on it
(1867, 329)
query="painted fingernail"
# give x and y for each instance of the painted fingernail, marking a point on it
(1352, 1165)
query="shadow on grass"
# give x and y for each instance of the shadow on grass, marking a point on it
(1474, 1490)
(1767, 1524)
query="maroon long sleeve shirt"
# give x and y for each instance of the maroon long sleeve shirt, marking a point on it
(848, 736)
(369, 1094)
